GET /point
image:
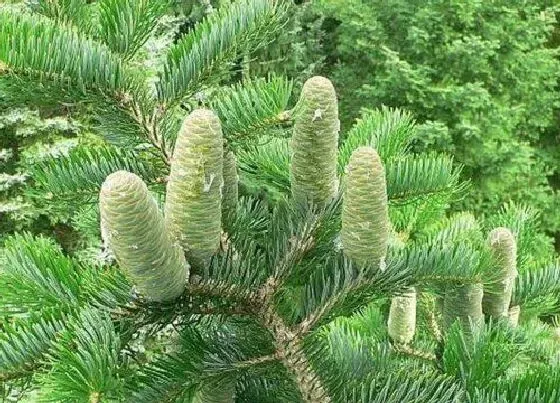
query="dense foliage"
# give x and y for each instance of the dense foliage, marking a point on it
(235, 245)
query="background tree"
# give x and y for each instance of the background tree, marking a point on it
(26, 138)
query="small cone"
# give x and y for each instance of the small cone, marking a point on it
(402, 317)
(497, 297)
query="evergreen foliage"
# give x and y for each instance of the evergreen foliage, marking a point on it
(282, 301)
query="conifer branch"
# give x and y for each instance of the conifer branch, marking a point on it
(249, 305)
(288, 345)
(214, 41)
(24, 371)
(256, 361)
(150, 127)
(247, 108)
(125, 25)
(220, 289)
(82, 170)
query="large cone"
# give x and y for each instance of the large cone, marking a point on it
(193, 209)
(315, 143)
(463, 303)
(365, 214)
(135, 232)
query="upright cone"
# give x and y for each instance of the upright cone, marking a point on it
(365, 214)
(402, 317)
(315, 143)
(497, 296)
(135, 232)
(463, 303)
(193, 209)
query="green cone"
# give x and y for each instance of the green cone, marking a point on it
(463, 303)
(136, 234)
(498, 297)
(365, 215)
(230, 192)
(513, 315)
(194, 191)
(315, 143)
(402, 317)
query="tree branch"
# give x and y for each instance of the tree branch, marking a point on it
(150, 127)
(288, 347)
(292, 356)
(299, 247)
(256, 361)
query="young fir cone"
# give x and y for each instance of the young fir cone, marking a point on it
(365, 215)
(230, 192)
(135, 232)
(463, 303)
(402, 317)
(315, 143)
(193, 207)
(513, 315)
(497, 298)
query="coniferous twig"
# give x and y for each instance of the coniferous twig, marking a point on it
(254, 317)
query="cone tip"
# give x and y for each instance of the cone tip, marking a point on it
(501, 234)
(120, 180)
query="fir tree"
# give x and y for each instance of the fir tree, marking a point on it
(275, 291)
